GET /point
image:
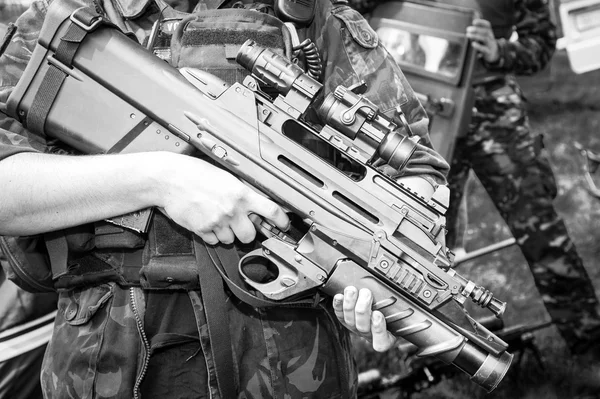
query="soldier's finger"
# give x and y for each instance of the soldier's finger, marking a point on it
(477, 36)
(362, 311)
(224, 235)
(480, 47)
(350, 297)
(268, 209)
(338, 306)
(482, 23)
(243, 228)
(209, 238)
(382, 339)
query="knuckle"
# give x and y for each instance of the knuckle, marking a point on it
(363, 329)
(361, 310)
(348, 307)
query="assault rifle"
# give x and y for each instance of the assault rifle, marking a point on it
(418, 374)
(368, 232)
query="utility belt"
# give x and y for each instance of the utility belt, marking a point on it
(163, 258)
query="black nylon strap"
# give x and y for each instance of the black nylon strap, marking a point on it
(53, 80)
(217, 320)
(54, 77)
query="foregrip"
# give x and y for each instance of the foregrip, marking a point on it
(408, 320)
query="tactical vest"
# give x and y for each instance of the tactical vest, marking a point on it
(165, 256)
(501, 13)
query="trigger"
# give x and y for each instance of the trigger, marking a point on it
(270, 231)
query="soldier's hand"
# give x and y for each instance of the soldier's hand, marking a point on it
(483, 40)
(353, 310)
(214, 204)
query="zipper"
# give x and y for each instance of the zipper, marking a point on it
(140, 326)
(19, 269)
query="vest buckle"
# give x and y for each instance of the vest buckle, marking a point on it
(86, 20)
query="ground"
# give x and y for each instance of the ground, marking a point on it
(564, 107)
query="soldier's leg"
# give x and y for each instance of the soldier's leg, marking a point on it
(514, 169)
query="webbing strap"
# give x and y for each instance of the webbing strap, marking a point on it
(54, 77)
(217, 321)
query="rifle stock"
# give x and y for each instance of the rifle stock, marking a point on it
(370, 232)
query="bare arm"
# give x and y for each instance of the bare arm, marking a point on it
(44, 192)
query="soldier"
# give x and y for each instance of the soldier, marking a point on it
(513, 166)
(114, 339)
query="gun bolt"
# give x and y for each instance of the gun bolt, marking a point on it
(384, 264)
(320, 277)
(298, 258)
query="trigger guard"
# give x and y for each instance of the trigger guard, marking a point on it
(290, 281)
(275, 289)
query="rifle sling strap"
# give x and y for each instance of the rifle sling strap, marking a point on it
(217, 320)
(82, 22)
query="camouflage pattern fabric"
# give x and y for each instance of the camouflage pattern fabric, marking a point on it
(536, 40)
(99, 348)
(514, 169)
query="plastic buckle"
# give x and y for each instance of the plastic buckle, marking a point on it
(84, 25)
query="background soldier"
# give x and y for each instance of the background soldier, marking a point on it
(513, 166)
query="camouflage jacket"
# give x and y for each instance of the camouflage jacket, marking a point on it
(535, 43)
(98, 347)
(536, 40)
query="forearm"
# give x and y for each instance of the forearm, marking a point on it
(43, 192)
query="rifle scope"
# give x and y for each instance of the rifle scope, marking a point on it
(344, 109)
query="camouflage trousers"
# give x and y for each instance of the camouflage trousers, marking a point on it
(98, 350)
(514, 169)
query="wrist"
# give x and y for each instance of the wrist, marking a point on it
(496, 61)
(154, 173)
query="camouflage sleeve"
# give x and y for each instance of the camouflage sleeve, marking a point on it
(352, 53)
(13, 137)
(536, 42)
